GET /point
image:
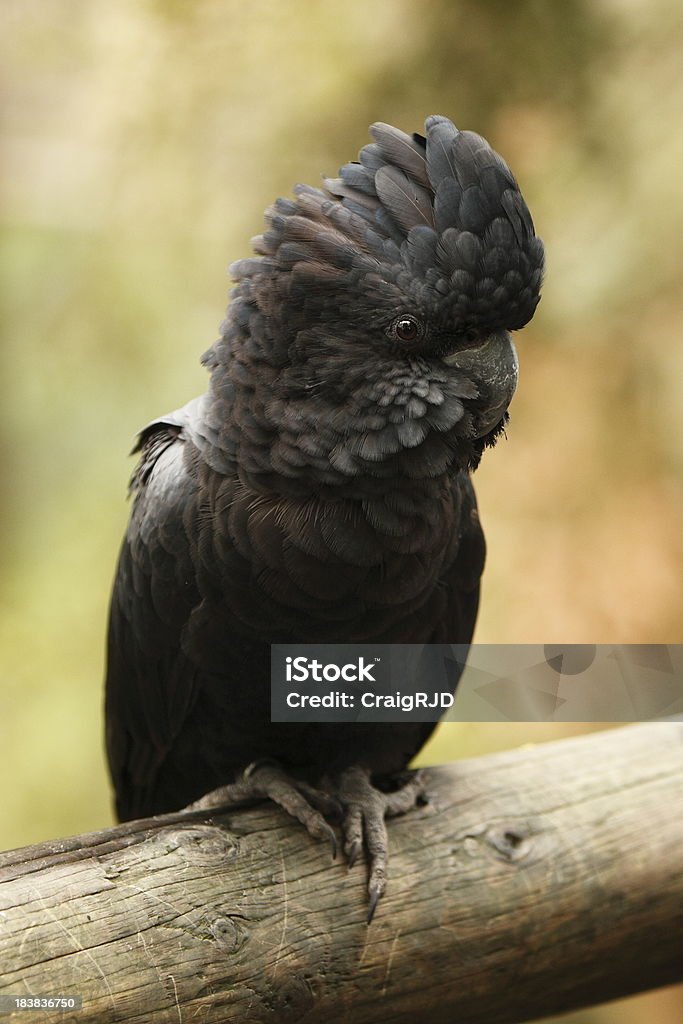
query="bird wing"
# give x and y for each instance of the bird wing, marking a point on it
(460, 585)
(150, 683)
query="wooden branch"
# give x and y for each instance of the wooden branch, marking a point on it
(535, 881)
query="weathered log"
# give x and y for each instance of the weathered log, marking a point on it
(535, 881)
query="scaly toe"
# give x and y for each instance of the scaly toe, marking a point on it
(267, 780)
(408, 796)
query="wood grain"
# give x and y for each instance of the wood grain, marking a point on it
(535, 881)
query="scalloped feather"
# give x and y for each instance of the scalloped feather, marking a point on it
(401, 150)
(408, 203)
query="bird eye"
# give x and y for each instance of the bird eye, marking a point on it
(405, 328)
(470, 335)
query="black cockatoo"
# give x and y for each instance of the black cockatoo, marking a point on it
(319, 491)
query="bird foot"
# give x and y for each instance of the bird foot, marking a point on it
(361, 807)
(266, 780)
(365, 811)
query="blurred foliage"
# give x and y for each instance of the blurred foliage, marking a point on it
(142, 140)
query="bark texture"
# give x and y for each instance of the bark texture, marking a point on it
(535, 881)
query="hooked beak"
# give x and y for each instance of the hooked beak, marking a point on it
(494, 369)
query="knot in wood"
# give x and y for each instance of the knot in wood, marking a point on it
(206, 843)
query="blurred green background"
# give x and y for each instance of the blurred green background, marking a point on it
(142, 141)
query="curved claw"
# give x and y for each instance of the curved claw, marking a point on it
(353, 853)
(364, 822)
(333, 842)
(372, 904)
